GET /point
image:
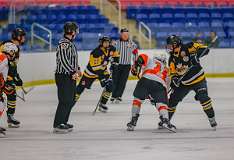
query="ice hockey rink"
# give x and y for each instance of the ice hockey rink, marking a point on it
(104, 136)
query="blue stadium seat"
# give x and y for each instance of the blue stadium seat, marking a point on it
(231, 34)
(216, 15)
(185, 34)
(167, 15)
(232, 43)
(154, 16)
(164, 25)
(221, 34)
(228, 15)
(141, 17)
(224, 43)
(191, 15)
(229, 24)
(204, 24)
(161, 34)
(217, 24)
(179, 15)
(178, 25)
(204, 16)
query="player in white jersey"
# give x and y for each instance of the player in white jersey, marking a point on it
(8, 53)
(3, 76)
(153, 83)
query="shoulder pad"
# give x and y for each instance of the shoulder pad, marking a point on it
(10, 47)
(189, 45)
(64, 43)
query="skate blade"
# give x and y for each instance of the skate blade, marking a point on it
(56, 131)
(214, 128)
(70, 130)
(169, 129)
(117, 102)
(160, 128)
(130, 129)
(2, 135)
(102, 110)
(13, 126)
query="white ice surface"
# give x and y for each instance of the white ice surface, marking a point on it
(104, 136)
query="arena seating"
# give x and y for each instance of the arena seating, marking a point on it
(91, 23)
(4, 13)
(186, 22)
(185, 18)
(23, 3)
(174, 3)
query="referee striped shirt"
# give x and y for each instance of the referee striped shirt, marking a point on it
(66, 57)
(127, 51)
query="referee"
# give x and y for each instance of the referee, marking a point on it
(128, 53)
(66, 74)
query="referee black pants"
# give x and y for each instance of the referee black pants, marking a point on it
(120, 77)
(66, 90)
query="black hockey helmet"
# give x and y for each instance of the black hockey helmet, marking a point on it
(173, 42)
(70, 27)
(103, 39)
(18, 32)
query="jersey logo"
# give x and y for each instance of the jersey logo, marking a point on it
(183, 53)
(64, 45)
(186, 58)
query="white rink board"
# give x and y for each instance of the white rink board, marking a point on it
(104, 136)
(41, 66)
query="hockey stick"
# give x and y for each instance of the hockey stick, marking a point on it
(21, 98)
(26, 91)
(95, 110)
(202, 54)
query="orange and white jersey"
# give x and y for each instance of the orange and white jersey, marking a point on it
(3, 75)
(155, 69)
(3, 65)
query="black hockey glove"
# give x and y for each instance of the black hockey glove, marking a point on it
(103, 82)
(18, 81)
(194, 60)
(175, 82)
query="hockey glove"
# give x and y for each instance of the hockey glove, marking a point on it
(175, 82)
(18, 81)
(194, 60)
(103, 82)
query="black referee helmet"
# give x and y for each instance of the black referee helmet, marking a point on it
(70, 27)
(18, 34)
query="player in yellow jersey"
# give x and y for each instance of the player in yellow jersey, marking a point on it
(97, 68)
(188, 75)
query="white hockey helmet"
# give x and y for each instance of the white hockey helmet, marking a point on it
(10, 49)
(162, 58)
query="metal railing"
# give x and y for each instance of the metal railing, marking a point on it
(142, 26)
(101, 3)
(33, 34)
(12, 14)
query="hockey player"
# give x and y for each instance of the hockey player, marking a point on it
(13, 78)
(97, 69)
(6, 56)
(153, 83)
(184, 61)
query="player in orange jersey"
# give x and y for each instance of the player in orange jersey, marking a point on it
(154, 83)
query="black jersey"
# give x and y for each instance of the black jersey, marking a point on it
(98, 61)
(180, 62)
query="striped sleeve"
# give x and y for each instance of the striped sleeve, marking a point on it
(63, 53)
